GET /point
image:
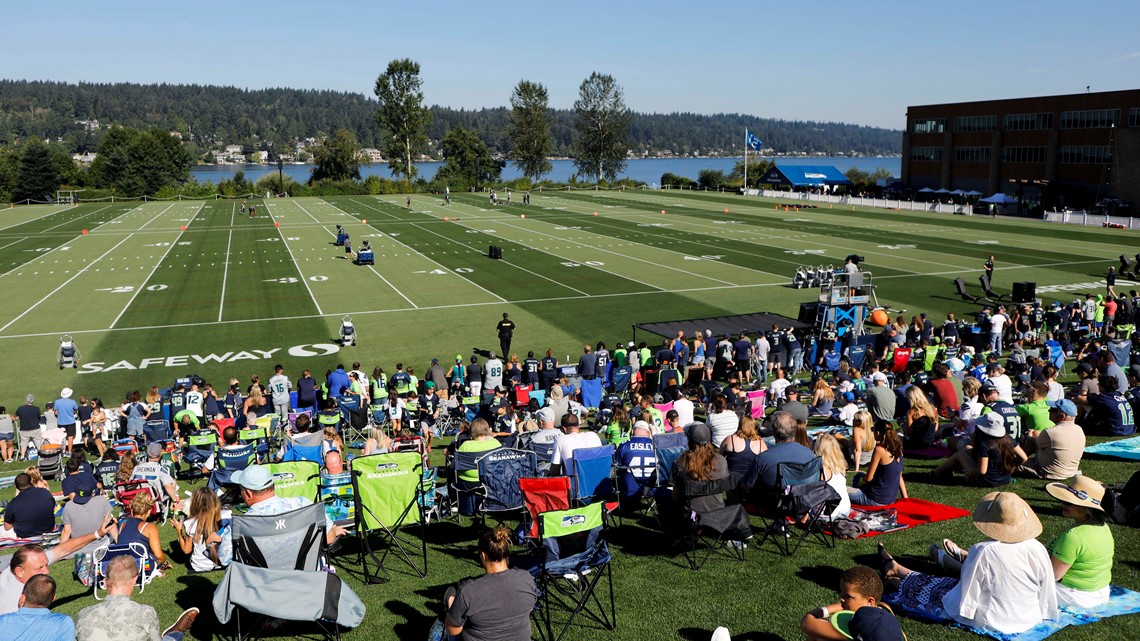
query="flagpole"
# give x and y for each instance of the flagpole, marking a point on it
(746, 161)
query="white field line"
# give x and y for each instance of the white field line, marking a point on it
(166, 210)
(376, 209)
(296, 265)
(370, 267)
(64, 284)
(370, 312)
(63, 244)
(75, 219)
(389, 237)
(156, 265)
(32, 220)
(226, 269)
(550, 280)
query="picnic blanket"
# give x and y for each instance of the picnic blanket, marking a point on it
(914, 512)
(937, 450)
(1120, 601)
(1128, 448)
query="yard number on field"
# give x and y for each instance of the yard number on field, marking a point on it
(591, 263)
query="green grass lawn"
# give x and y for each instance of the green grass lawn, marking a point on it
(147, 300)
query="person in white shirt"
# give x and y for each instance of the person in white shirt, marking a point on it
(567, 443)
(279, 387)
(1006, 583)
(997, 324)
(995, 375)
(493, 378)
(760, 350)
(194, 401)
(778, 385)
(684, 408)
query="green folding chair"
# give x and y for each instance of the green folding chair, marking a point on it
(574, 559)
(388, 491)
(296, 478)
(257, 436)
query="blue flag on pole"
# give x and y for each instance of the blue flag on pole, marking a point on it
(753, 142)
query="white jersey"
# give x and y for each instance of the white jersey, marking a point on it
(194, 402)
(494, 374)
(279, 387)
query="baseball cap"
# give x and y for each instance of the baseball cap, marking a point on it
(993, 367)
(849, 397)
(991, 424)
(66, 392)
(698, 434)
(459, 358)
(84, 486)
(435, 361)
(1085, 368)
(30, 398)
(1064, 405)
(545, 415)
(429, 385)
(254, 477)
(630, 346)
(154, 450)
(878, 376)
(988, 386)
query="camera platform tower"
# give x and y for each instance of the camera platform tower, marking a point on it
(845, 301)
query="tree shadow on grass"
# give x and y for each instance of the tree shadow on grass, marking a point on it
(701, 634)
(825, 576)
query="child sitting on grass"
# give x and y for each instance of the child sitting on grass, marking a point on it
(858, 615)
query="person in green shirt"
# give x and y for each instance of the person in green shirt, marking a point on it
(621, 355)
(1082, 555)
(618, 431)
(1036, 409)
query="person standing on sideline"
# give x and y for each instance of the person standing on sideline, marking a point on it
(506, 330)
(446, 195)
(279, 387)
(997, 325)
(989, 267)
(1110, 281)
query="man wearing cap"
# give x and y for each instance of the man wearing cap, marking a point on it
(65, 412)
(88, 509)
(880, 398)
(436, 375)
(637, 459)
(155, 473)
(567, 443)
(1058, 449)
(547, 433)
(506, 330)
(1109, 367)
(991, 400)
(29, 415)
(259, 493)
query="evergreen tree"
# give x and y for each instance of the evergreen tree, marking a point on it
(402, 115)
(469, 161)
(530, 139)
(37, 178)
(337, 158)
(602, 123)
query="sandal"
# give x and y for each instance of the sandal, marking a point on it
(955, 552)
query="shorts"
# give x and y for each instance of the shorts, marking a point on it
(698, 361)
(8, 437)
(426, 428)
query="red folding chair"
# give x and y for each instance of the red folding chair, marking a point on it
(522, 395)
(901, 360)
(544, 494)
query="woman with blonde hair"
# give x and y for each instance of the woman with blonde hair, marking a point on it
(331, 441)
(835, 471)
(822, 398)
(153, 399)
(136, 529)
(742, 448)
(375, 442)
(37, 478)
(862, 444)
(920, 425)
(253, 405)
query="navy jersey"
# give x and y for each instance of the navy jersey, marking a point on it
(549, 364)
(530, 370)
(1111, 414)
(1009, 414)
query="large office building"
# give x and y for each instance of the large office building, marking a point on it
(1055, 151)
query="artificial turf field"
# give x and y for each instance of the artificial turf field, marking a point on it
(147, 301)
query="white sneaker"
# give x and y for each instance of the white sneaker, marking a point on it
(721, 634)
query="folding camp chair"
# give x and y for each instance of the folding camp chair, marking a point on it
(126, 491)
(856, 354)
(801, 493)
(336, 494)
(591, 478)
(200, 446)
(544, 453)
(296, 478)
(468, 495)
(637, 478)
(229, 460)
(306, 447)
(706, 532)
(258, 437)
(960, 287)
(757, 403)
(522, 395)
(388, 490)
(500, 471)
(280, 571)
(669, 448)
(620, 380)
(1122, 351)
(156, 430)
(543, 494)
(592, 392)
(538, 396)
(354, 419)
(102, 556)
(126, 447)
(574, 559)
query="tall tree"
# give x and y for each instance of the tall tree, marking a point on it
(337, 158)
(402, 115)
(530, 130)
(37, 178)
(602, 123)
(469, 160)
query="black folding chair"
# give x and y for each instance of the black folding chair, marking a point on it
(798, 510)
(707, 532)
(960, 286)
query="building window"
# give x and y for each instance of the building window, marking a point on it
(1023, 154)
(971, 154)
(929, 126)
(926, 153)
(975, 123)
(1086, 155)
(1027, 122)
(1134, 117)
(1089, 119)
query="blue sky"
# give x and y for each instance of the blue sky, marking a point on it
(860, 62)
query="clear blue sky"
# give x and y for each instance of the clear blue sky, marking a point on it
(859, 62)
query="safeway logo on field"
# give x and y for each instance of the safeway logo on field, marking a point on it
(298, 351)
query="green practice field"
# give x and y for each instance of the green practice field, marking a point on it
(162, 289)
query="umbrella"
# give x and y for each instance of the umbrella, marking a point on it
(957, 192)
(973, 193)
(926, 190)
(942, 191)
(999, 199)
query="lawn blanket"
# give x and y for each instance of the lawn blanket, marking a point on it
(933, 452)
(1128, 448)
(1121, 601)
(914, 512)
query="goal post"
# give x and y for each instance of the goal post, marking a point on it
(67, 196)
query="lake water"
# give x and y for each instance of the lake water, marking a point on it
(648, 170)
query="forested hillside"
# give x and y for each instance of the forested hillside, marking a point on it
(271, 119)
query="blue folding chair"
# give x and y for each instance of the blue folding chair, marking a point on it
(669, 448)
(592, 475)
(545, 454)
(592, 392)
(156, 430)
(500, 471)
(856, 354)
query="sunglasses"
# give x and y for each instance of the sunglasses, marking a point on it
(1081, 495)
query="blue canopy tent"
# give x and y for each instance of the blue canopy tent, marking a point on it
(805, 176)
(999, 199)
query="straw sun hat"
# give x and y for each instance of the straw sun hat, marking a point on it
(1006, 517)
(1080, 490)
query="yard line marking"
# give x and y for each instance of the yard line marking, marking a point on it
(76, 218)
(13, 242)
(296, 265)
(640, 260)
(389, 236)
(513, 302)
(392, 216)
(52, 293)
(156, 265)
(333, 234)
(226, 269)
(519, 266)
(166, 210)
(50, 213)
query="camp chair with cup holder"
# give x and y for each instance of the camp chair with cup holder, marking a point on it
(388, 492)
